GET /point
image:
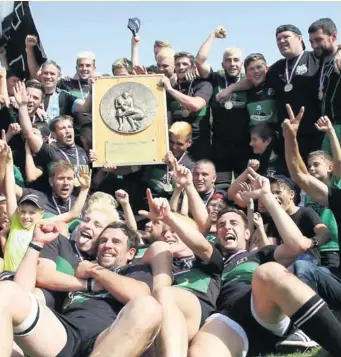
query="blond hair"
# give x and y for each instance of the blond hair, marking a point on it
(122, 63)
(181, 128)
(101, 198)
(165, 52)
(108, 210)
(86, 55)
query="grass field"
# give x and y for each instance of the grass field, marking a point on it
(314, 353)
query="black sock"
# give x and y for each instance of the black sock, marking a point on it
(318, 322)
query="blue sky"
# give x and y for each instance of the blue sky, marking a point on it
(67, 28)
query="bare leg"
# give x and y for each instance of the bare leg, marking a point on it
(48, 337)
(181, 320)
(219, 337)
(132, 333)
(277, 293)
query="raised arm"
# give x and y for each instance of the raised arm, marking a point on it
(197, 208)
(11, 199)
(33, 66)
(122, 198)
(159, 210)
(135, 40)
(34, 141)
(325, 125)
(201, 59)
(294, 243)
(31, 170)
(27, 271)
(316, 189)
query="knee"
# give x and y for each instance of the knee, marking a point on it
(8, 290)
(269, 275)
(147, 312)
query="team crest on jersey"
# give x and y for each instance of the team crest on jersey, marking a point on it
(301, 69)
(271, 91)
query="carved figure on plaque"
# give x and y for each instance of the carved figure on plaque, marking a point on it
(125, 110)
(128, 108)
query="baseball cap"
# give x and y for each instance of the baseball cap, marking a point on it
(291, 184)
(291, 28)
(33, 199)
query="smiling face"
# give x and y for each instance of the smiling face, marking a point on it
(177, 246)
(283, 194)
(232, 62)
(85, 68)
(89, 230)
(256, 72)
(289, 44)
(320, 168)
(49, 77)
(204, 177)
(35, 99)
(232, 233)
(258, 144)
(29, 214)
(113, 249)
(182, 65)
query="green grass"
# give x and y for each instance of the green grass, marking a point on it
(314, 353)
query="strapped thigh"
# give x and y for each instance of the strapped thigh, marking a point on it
(30, 322)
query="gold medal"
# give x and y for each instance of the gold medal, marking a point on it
(320, 95)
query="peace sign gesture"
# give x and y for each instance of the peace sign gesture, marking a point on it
(290, 126)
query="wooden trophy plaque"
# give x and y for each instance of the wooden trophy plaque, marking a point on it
(130, 124)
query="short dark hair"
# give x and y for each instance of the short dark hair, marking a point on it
(56, 120)
(264, 131)
(133, 238)
(184, 54)
(233, 210)
(252, 58)
(33, 83)
(326, 24)
(206, 162)
(43, 127)
(60, 165)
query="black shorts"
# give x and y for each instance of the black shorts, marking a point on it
(206, 311)
(81, 335)
(261, 340)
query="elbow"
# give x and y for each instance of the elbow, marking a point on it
(197, 107)
(199, 60)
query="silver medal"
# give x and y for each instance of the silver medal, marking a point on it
(228, 105)
(185, 113)
(288, 87)
(167, 187)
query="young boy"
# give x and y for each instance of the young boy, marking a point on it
(327, 169)
(261, 103)
(29, 212)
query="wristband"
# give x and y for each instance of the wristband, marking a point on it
(35, 247)
(90, 285)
